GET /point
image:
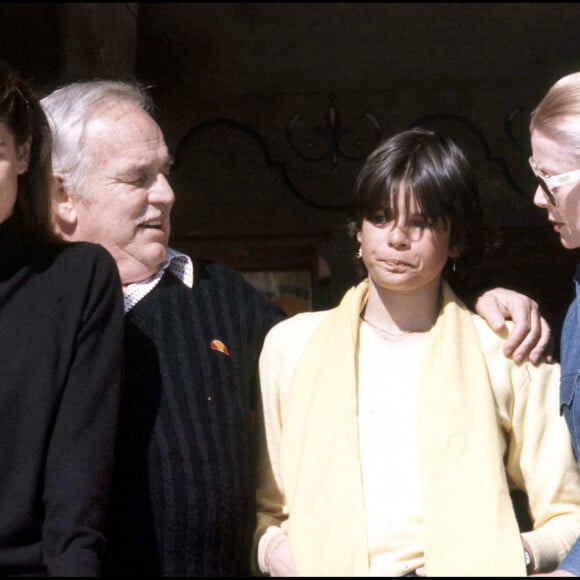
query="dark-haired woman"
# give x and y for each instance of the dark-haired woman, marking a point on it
(394, 426)
(61, 315)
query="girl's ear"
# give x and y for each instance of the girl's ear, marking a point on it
(358, 236)
(24, 156)
(454, 252)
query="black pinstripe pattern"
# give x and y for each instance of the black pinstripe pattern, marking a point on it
(183, 495)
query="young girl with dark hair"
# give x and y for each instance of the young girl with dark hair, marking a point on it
(394, 428)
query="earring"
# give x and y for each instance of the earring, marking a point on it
(359, 253)
(454, 267)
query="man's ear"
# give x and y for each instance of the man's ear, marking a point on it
(64, 211)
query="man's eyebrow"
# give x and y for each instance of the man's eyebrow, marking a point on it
(138, 163)
(134, 167)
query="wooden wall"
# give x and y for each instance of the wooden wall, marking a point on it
(270, 109)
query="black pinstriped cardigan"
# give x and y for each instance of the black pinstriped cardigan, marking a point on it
(183, 493)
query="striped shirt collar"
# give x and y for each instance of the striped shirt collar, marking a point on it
(180, 265)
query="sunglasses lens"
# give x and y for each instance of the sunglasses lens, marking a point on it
(549, 195)
(550, 198)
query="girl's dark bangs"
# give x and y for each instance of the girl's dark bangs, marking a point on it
(430, 194)
(382, 196)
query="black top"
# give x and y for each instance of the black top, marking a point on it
(183, 494)
(61, 314)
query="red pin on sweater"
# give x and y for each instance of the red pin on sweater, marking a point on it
(219, 345)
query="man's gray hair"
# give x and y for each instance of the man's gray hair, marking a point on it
(70, 108)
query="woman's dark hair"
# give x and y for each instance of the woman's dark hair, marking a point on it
(22, 114)
(436, 172)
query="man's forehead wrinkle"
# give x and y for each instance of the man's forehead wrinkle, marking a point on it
(132, 146)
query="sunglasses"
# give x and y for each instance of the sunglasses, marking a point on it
(549, 183)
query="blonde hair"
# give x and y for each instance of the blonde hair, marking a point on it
(558, 113)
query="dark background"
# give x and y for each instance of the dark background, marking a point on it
(270, 109)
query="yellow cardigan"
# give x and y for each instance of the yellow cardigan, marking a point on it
(526, 404)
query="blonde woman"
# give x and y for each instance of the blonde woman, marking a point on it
(555, 161)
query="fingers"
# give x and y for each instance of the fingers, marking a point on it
(524, 335)
(544, 347)
(534, 344)
(488, 307)
(530, 336)
(279, 557)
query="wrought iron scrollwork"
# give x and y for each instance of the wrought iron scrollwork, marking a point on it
(333, 133)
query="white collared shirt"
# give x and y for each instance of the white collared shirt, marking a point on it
(177, 263)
